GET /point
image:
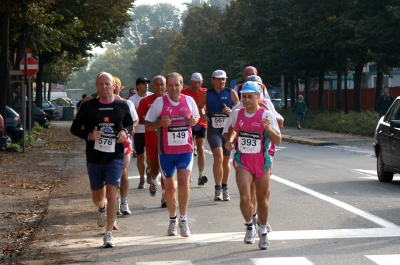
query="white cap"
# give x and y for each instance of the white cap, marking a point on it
(254, 78)
(196, 77)
(219, 74)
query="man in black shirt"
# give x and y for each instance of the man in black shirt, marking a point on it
(104, 122)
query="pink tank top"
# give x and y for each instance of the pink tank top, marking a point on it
(177, 137)
(250, 133)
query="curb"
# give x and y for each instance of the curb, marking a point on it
(299, 140)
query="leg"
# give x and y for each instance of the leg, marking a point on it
(124, 178)
(201, 156)
(262, 190)
(170, 195)
(226, 169)
(183, 176)
(99, 196)
(243, 181)
(112, 192)
(217, 166)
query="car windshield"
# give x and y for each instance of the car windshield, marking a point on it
(46, 105)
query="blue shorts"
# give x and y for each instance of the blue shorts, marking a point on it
(102, 174)
(300, 116)
(170, 163)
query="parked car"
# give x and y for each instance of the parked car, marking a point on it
(15, 131)
(49, 109)
(40, 116)
(65, 102)
(57, 115)
(277, 102)
(387, 143)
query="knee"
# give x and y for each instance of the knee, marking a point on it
(245, 198)
(112, 192)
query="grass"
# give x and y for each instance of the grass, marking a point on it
(358, 123)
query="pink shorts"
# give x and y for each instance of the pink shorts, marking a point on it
(254, 164)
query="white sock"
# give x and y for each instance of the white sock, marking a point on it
(263, 229)
(182, 218)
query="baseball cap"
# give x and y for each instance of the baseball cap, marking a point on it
(219, 74)
(142, 80)
(250, 87)
(254, 78)
(196, 77)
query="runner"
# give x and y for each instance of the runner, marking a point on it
(172, 116)
(251, 130)
(267, 104)
(124, 187)
(105, 123)
(142, 86)
(215, 105)
(199, 131)
(151, 138)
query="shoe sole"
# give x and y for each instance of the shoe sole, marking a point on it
(163, 205)
(218, 199)
(126, 213)
(109, 245)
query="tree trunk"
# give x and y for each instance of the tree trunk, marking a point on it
(339, 70)
(23, 39)
(292, 94)
(379, 83)
(307, 87)
(4, 69)
(357, 83)
(39, 82)
(321, 79)
(286, 89)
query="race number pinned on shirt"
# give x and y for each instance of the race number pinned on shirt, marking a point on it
(106, 143)
(249, 143)
(218, 120)
(178, 135)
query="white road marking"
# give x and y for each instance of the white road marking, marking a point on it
(282, 261)
(385, 259)
(368, 174)
(375, 219)
(172, 262)
(133, 177)
(227, 237)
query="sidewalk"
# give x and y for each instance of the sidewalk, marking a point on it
(323, 138)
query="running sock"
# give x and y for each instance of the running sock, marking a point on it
(102, 210)
(250, 223)
(124, 200)
(182, 218)
(224, 186)
(201, 173)
(263, 229)
(255, 214)
(217, 187)
(172, 218)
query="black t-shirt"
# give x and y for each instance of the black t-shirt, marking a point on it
(108, 118)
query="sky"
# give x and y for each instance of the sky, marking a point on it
(177, 3)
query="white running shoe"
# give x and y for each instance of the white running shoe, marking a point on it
(183, 225)
(269, 229)
(263, 243)
(225, 194)
(249, 238)
(108, 240)
(125, 208)
(172, 230)
(218, 195)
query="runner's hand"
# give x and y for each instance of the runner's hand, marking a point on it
(192, 121)
(121, 137)
(226, 110)
(165, 121)
(96, 134)
(229, 146)
(267, 123)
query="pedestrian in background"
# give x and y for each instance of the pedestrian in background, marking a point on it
(299, 108)
(384, 102)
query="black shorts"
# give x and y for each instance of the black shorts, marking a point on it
(199, 132)
(138, 142)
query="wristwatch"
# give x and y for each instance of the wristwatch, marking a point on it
(126, 131)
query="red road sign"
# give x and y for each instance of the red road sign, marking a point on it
(32, 66)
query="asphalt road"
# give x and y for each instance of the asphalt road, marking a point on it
(327, 207)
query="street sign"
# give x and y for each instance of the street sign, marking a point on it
(32, 66)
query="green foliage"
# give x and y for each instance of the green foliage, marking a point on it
(13, 147)
(359, 123)
(47, 125)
